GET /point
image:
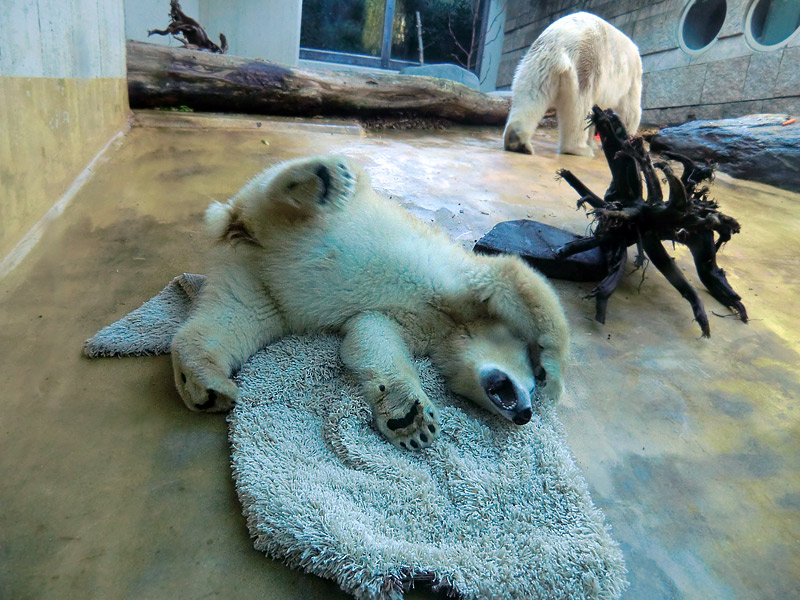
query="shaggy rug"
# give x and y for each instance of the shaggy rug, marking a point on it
(491, 510)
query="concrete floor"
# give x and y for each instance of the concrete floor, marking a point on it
(112, 489)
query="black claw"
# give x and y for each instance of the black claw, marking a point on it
(432, 428)
(183, 377)
(414, 444)
(424, 438)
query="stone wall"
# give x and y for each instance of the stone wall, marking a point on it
(64, 96)
(727, 78)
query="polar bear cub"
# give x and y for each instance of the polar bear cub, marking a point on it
(577, 62)
(308, 246)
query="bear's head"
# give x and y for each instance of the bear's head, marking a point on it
(486, 363)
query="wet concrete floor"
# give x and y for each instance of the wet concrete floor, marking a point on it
(112, 489)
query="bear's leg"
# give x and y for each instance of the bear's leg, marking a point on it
(630, 109)
(572, 109)
(233, 319)
(524, 300)
(374, 349)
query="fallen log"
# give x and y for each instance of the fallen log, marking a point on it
(159, 76)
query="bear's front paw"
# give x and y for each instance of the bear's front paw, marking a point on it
(412, 427)
(548, 392)
(514, 143)
(549, 384)
(214, 395)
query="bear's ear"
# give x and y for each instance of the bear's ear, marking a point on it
(225, 224)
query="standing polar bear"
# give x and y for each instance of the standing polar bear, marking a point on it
(308, 246)
(577, 62)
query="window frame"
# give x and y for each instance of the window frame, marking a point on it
(385, 61)
(682, 22)
(753, 42)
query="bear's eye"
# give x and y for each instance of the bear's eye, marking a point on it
(292, 185)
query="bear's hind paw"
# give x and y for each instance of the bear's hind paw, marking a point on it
(414, 430)
(320, 183)
(201, 396)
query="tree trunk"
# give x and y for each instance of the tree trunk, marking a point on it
(159, 76)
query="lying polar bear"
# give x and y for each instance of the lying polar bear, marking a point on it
(308, 246)
(577, 62)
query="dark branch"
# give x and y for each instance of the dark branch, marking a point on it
(677, 192)
(195, 37)
(664, 263)
(693, 174)
(578, 246)
(616, 258)
(705, 259)
(576, 184)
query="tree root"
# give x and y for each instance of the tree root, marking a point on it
(194, 36)
(624, 217)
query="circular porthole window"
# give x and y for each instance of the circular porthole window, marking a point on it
(770, 23)
(701, 23)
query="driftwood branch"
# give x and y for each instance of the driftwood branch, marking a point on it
(164, 77)
(623, 217)
(194, 36)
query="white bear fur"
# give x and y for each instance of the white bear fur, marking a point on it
(577, 62)
(307, 246)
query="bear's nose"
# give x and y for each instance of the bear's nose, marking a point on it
(523, 416)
